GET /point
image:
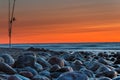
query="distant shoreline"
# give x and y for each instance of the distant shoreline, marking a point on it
(63, 43)
(109, 46)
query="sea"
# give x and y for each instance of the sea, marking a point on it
(106, 46)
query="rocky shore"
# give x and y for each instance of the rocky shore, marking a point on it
(44, 64)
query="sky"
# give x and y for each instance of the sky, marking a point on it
(59, 21)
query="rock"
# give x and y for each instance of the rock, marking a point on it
(46, 55)
(72, 76)
(33, 49)
(13, 77)
(8, 59)
(26, 74)
(55, 74)
(117, 61)
(112, 59)
(54, 68)
(110, 74)
(77, 64)
(6, 68)
(38, 67)
(22, 77)
(117, 55)
(95, 66)
(102, 54)
(33, 71)
(56, 71)
(65, 69)
(80, 56)
(92, 65)
(56, 60)
(45, 73)
(24, 61)
(110, 67)
(116, 78)
(43, 62)
(103, 61)
(69, 57)
(29, 54)
(2, 60)
(4, 76)
(66, 63)
(102, 68)
(117, 70)
(17, 77)
(89, 73)
(55, 53)
(104, 78)
(38, 77)
(96, 57)
(29, 61)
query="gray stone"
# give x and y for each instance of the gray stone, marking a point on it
(72, 76)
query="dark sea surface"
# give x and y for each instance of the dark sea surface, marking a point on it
(69, 46)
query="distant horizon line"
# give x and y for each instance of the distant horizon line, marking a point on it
(60, 43)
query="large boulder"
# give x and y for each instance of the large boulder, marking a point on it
(24, 61)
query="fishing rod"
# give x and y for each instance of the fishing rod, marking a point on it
(11, 18)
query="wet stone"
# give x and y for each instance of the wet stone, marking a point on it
(38, 77)
(26, 74)
(24, 61)
(56, 60)
(104, 78)
(6, 68)
(8, 59)
(72, 76)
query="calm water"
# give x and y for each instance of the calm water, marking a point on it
(70, 46)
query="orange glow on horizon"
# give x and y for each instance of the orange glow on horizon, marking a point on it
(62, 21)
(71, 37)
(101, 33)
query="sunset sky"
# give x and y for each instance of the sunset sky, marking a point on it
(58, 21)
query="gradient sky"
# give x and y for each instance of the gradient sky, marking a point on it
(49, 21)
